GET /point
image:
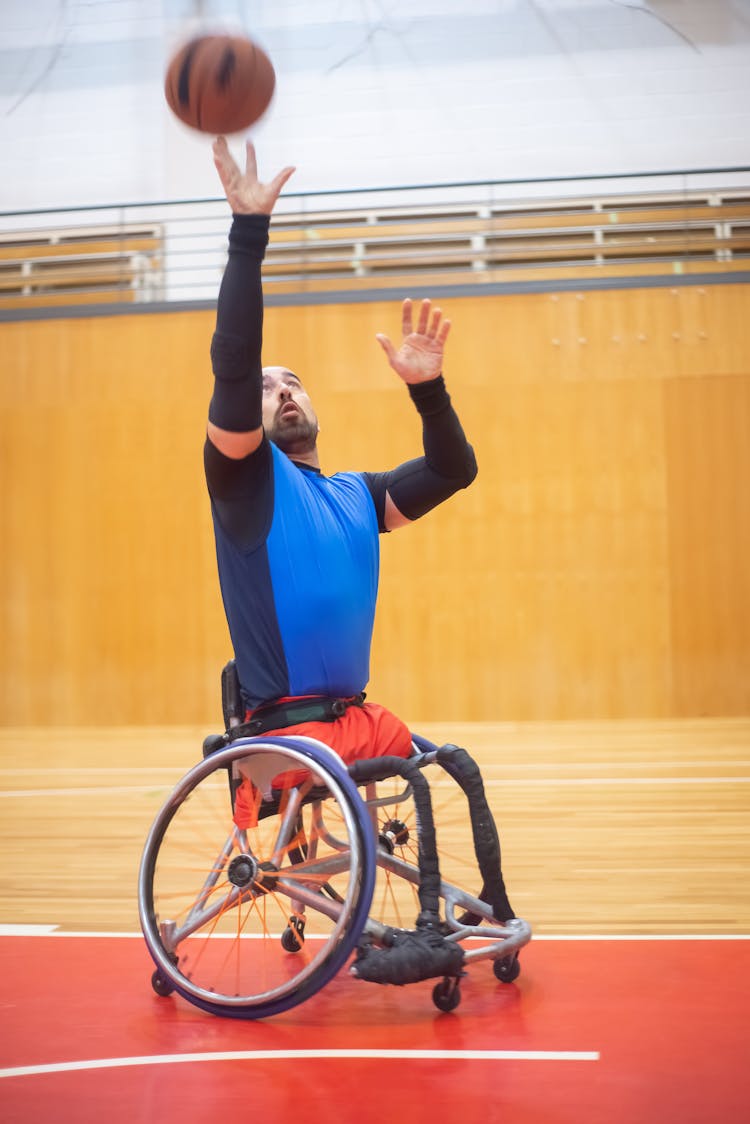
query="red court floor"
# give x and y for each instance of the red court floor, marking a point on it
(595, 1031)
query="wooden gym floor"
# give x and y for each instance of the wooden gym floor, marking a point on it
(625, 845)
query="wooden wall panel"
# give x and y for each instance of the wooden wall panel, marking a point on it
(107, 613)
(708, 453)
(595, 568)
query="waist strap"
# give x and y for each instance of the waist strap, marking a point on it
(277, 716)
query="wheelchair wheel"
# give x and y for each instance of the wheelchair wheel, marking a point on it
(221, 904)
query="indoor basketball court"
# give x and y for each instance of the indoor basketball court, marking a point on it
(567, 181)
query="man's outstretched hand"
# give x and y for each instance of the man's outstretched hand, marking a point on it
(245, 193)
(420, 356)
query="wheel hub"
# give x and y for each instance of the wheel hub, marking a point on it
(246, 873)
(243, 870)
(394, 834)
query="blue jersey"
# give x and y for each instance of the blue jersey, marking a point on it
(300, 604)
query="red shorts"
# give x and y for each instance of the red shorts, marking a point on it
(361, 732)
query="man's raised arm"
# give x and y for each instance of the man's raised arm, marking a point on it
(448, 464)
(235, 413)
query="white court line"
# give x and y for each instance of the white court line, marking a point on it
(88, 770)
(534, 781)
(628, 766)
(531, 782)
(109, 790)
(307, 1055)
(636, 937)
(29, 930)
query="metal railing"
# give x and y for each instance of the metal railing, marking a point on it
(330, 243)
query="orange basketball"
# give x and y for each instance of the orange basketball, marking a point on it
(219, 83)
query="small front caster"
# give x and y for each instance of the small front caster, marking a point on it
(293, 936)
(447, 994)
(507, 968)
(161, 985)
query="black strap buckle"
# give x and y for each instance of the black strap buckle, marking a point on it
(277, 716)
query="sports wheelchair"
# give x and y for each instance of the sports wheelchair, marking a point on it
(247, 916)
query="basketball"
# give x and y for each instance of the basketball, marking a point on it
(219, 83)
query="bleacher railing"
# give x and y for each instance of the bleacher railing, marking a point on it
(333, 243)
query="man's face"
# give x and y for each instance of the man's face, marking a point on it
(288, 417)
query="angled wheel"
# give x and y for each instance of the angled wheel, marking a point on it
(161, 985)
(217, 888)
(293, 937)
(446, 995)
(507, 968)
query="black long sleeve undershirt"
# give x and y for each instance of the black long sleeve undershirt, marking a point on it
(237, 341)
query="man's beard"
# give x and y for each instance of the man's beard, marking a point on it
(297, 436)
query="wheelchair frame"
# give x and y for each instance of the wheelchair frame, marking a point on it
(311, 856)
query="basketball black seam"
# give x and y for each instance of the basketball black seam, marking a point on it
(226, 69)
(183, 80)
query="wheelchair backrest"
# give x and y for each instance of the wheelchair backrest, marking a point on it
(232, 705)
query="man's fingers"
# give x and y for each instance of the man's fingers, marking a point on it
(424, 317)
(224, 161)
(220, 152)
(406, 321)
(442, 335)
(222, 155)
(433, 329)
(278, 181)
(387, 346)
(251, 164)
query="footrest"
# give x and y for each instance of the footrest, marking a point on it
(415, 954)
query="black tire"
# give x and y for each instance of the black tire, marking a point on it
(161, 985)
(293, 936)
(507, 968)
(446, 995)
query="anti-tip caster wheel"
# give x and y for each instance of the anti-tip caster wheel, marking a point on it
(507, 968)
(161, 985)
(447, 994)
(293, 936)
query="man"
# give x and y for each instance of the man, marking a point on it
(298, 551)
(298, 558)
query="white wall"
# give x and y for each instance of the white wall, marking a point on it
(374, 92)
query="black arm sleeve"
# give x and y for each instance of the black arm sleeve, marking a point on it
(447, 466)
(241, 490)
(236, 345)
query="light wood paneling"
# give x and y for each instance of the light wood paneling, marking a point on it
(104, 513)
(595, 569)
(708, 444)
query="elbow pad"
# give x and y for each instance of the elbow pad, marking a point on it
(236, 404)
(237, 401)
(446, 450)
